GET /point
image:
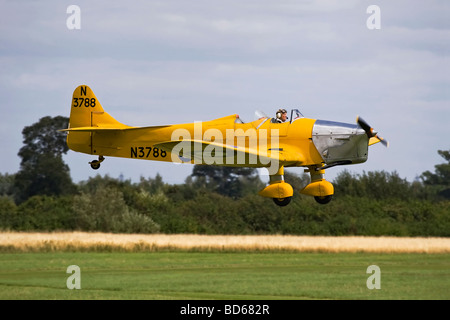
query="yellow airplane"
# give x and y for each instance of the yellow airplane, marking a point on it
(228, 141)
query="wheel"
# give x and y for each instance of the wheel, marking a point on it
(282, 201)
(323, 200)
(95, 164)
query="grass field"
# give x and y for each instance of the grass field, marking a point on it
(219, 274)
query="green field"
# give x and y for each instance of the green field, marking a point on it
(221, 275)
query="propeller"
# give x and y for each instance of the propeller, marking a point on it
(369, 131)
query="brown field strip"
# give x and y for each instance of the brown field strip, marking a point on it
(84, 241)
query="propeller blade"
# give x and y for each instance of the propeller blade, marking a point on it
(384, 142)
(369, 131)
(365, 126)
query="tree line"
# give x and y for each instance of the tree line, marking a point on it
(213, 200)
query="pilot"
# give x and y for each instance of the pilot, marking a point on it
(281, 116)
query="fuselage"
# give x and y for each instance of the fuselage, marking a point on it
(309, 141)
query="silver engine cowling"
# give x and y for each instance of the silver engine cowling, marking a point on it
(340, 142)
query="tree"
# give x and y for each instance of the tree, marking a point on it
(42, 169)
(43, 137)
(441, 178)
(373, 184)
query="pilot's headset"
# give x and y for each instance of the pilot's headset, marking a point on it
(280, 112)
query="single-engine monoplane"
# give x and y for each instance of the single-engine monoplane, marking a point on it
(264, 143)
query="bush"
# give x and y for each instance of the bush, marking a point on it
(212, 213)
(45, 213)
(8, 213)
(105, 210)
(372, 204)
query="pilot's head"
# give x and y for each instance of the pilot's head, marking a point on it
(282, 114)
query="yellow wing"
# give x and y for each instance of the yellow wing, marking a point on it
(205, 152)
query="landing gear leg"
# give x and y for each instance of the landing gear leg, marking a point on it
(95, 164)
(280, 191)
(319, 188)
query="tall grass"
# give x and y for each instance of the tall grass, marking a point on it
(101, 242)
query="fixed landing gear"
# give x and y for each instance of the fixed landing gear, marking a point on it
(280, 191)
(95, 164)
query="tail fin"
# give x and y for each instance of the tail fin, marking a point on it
(86, 117)
(87, 111)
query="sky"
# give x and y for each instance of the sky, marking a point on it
(167, 62)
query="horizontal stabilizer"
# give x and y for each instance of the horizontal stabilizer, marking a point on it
(90, 129)
(107, 128)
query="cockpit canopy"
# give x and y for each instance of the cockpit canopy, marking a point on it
(260, 115)
(295, 114)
